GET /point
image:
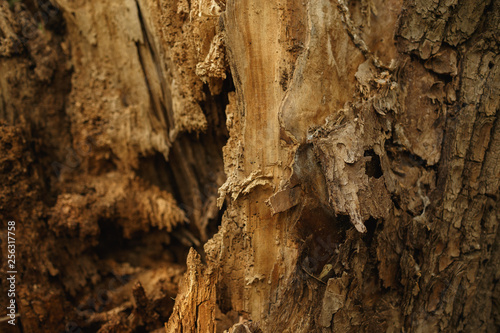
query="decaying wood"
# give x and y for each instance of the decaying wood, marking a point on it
(335, 121)
(349, 151)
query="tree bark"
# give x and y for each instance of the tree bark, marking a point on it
(252, 166)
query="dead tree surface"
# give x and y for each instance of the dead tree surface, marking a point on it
(252, 166)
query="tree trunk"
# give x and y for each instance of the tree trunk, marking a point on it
(251, 166)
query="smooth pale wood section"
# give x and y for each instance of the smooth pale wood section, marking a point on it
(252, 38)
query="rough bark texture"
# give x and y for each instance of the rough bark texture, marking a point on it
(252, 166)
